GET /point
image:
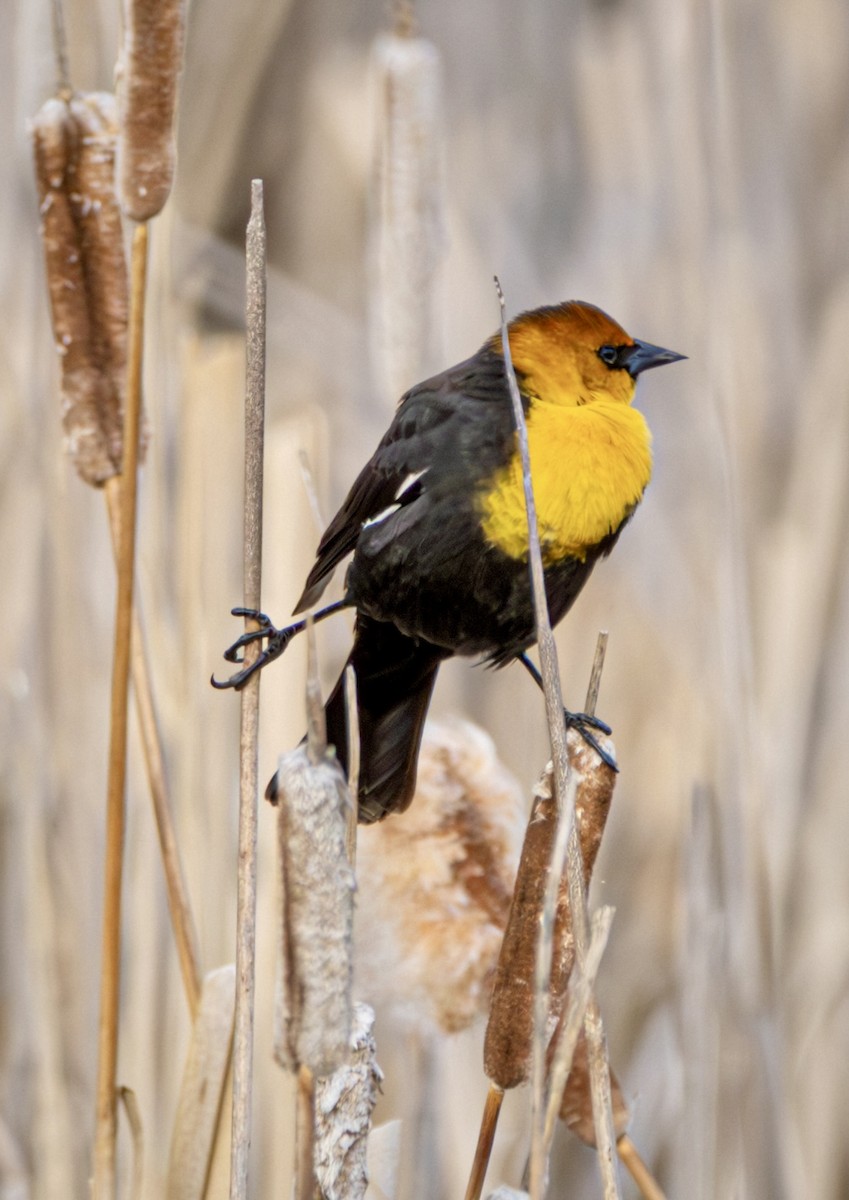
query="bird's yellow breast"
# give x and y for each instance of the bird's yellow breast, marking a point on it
(590, 465)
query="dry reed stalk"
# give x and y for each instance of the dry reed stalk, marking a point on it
(569, 1088)
(246, 879)
(75, 158)
(103, 1187)
(408, 227)
(344, 1102)
(637, 1169)
(179, 904)
(486, 1138)
(566, 835)
(131, 1107)
(149, 71)
(202, 1088)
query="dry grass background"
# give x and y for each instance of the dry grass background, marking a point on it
(686, 166)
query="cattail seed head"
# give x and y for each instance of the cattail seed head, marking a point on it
(313, 1013)
(344, 1102)
(152, 59)
(436, 884)
(74, 150)
(509, 1035)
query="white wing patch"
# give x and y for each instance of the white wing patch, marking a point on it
(410, 482)
(381, 516)
(404, 488)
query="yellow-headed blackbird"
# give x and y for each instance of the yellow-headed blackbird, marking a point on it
(437, 526)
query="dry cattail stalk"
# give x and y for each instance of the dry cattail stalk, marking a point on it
(407, 222)
(204, 1076)
(576, 1108)
(133, 1113)
(344, 1102)
(151, 60)
(246, 882)
(313, 1015)
(509, 1035)
(439, 881)
(74, 148)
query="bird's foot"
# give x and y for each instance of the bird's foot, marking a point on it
(584, 724)
(276, 640)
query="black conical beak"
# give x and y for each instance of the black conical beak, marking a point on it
(644, 356)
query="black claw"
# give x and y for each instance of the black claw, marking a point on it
(276, 642)
(587, 719)
(580, 722)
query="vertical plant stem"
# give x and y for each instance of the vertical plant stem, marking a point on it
(567, 834)
(353, 718)
(639, 1172)
(246, 892)
(103, 1186)
(179, 905)
(60, 49)
(486, 1136)
(134, 1121)
(305, 1135)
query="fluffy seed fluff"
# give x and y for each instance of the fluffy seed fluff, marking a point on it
(435, 886)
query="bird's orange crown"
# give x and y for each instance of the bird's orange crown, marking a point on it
(555, 353)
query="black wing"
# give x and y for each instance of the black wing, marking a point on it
(423, 433)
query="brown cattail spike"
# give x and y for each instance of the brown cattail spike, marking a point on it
(151, 62)
(74, 149)
(509, 1035)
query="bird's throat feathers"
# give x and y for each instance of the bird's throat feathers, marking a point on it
(590, 467)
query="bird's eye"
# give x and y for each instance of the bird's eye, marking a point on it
(609, 355)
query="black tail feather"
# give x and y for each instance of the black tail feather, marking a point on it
(395, 677)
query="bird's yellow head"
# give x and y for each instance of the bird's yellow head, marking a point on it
(573, 353)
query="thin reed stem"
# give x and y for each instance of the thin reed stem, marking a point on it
(179, 904)
(133, 1113)
(305, 1136)
(567, 840)
(637, 1169)
(60, 49)
(486, 1137)
(103, 1183)
(246, 886)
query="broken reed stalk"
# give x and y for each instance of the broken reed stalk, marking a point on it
(131, 1107)
(246, 885)
(179, 904)
(565, 795)
(103, 1187)
(639, 1172)
(580, 992)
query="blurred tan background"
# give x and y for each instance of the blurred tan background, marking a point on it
(684, 166)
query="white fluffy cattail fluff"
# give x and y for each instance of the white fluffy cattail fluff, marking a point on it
(406, 220)
(313, 1008)
(435, 884)
(344, 1102)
